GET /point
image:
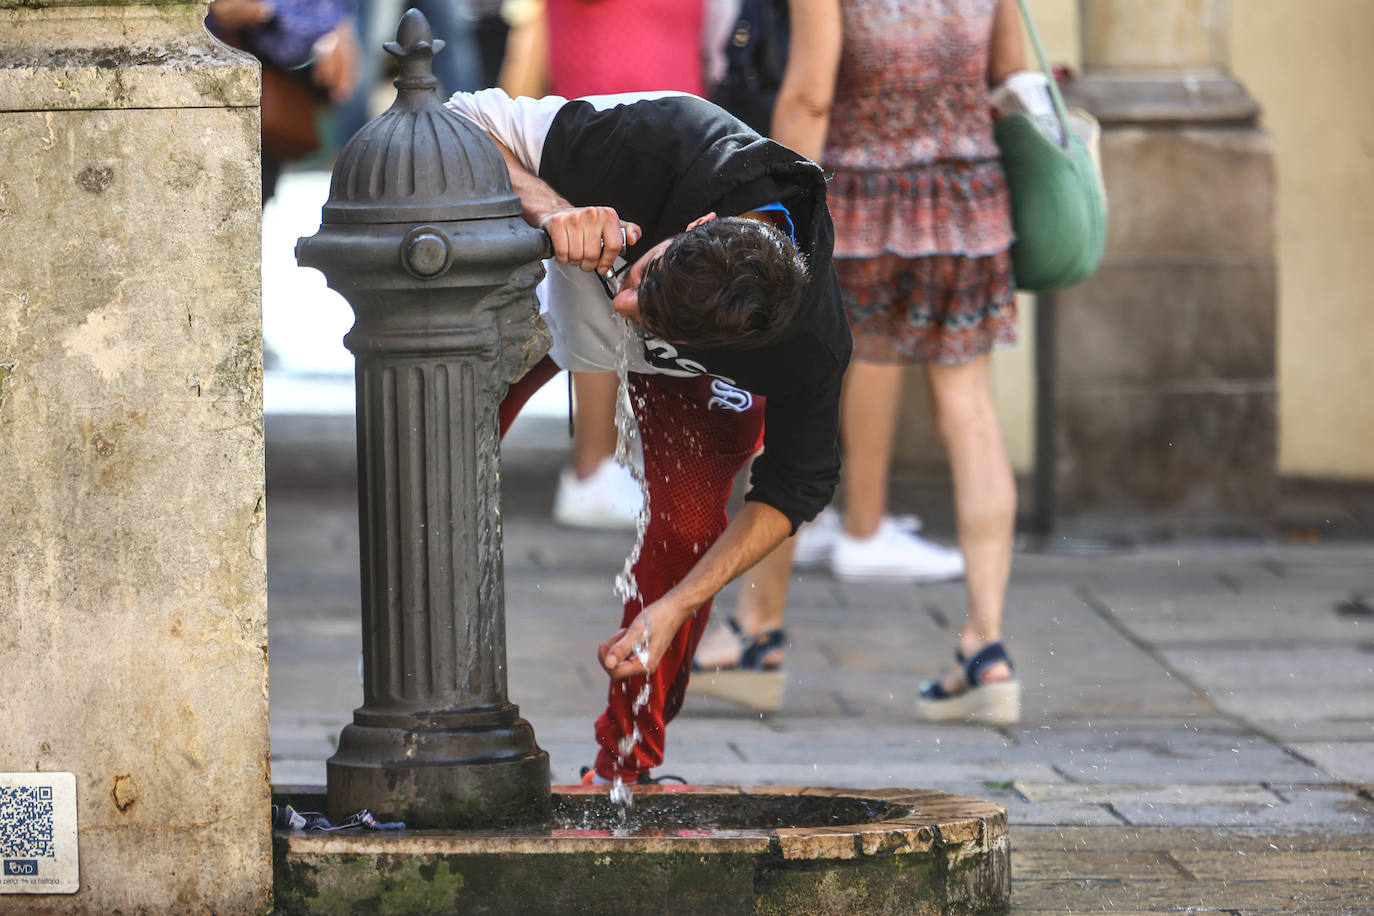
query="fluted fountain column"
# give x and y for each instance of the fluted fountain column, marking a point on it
(422, 234)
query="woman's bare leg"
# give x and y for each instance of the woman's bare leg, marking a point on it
(761, 607)
(984, 499)
(594, 432)
(763, 593)
(869, 404)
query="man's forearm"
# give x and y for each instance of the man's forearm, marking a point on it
(537, 198)
(590, 237)
(751, 535)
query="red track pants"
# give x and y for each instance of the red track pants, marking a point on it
(696, 438)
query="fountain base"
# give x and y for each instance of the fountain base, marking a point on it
(439, 778)
(684, 849)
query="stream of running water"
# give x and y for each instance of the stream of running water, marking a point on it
(626, 586)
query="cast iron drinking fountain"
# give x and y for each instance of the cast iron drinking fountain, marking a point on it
(422, 235)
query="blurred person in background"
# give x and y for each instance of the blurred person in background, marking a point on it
(458, 66)
(309, 55)
(893, 97)
(491, 34)
(525, 65)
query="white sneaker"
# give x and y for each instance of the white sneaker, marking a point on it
(608, 498)
(894, 555)
(817, 539)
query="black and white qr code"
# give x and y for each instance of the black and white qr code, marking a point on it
(26, 822)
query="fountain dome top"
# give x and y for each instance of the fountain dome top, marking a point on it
(418, 161)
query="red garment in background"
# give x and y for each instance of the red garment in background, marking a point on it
(603, 46)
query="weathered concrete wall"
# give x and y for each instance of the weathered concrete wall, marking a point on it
(132, 577)
(1309, 67)
(1165, 398)
(1165, 393)
(1160, 35)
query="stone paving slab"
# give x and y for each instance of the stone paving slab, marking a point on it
(557, 598)
(297, 772)
(1333, 810)
(1072, 840)
(786, 743)
(801, 700)
(1349, 559)
(1021, 813)
(1296, 666)
(305, 739)
(1152, 794)
(1208, 723)
(879, 774)
(1165, 756)
(1277, 865)
(1175, 617)
(332, 694)
(1074, 895)
(1349, 760)
(1125, 568)
(1307, 703)
(1124, 865)
(1291, 732)
(854, 597)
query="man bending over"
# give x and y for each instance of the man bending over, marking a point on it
(739, 340)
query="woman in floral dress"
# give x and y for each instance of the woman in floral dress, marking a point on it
(922, 238)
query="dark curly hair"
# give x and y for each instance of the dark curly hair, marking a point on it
(732, 284)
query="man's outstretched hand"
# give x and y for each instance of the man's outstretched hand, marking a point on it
(618, 655)
(589, 237)
(754, 531)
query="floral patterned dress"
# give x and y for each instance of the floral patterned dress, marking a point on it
(920, 203)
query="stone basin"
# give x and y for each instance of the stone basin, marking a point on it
(682, 849)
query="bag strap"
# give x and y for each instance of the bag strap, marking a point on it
(1049, 73)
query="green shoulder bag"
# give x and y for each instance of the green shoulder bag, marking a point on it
(1058, 203)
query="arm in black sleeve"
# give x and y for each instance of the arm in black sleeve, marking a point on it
(800, 465)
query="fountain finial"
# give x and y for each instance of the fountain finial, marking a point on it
(415, 47)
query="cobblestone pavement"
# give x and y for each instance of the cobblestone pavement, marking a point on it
(1198, 730)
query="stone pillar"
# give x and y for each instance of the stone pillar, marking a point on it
(132, 578)
(1162, 395)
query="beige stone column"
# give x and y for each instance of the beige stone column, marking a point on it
(1162, 399)
(1161, 60)
(132, 579)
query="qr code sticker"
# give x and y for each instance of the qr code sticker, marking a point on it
(26, 822)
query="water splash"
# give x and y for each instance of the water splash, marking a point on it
(626, 586)
(641, 653)
(627, 435)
